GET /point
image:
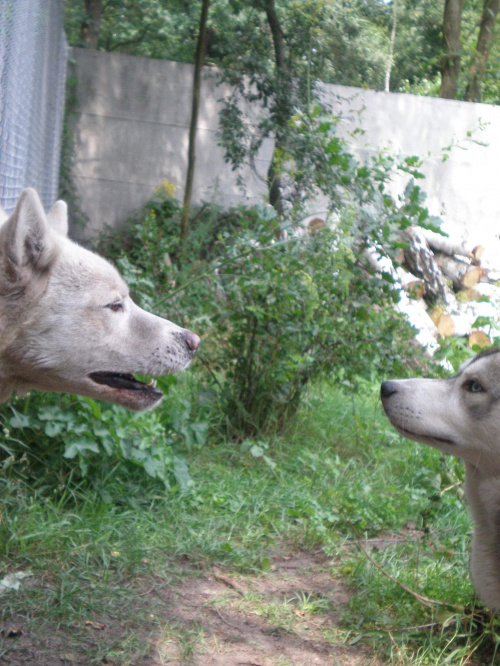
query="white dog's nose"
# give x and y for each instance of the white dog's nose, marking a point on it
(192, 341)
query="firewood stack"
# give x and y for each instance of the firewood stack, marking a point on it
(446, 290)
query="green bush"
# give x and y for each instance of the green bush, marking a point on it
(277, 308)
(47, 431)
(284, 313)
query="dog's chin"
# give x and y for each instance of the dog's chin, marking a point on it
(431, 440)
(136, 401)
(120, 389)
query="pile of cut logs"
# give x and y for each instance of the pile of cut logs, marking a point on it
(447, 288)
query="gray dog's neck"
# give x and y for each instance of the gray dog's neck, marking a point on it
(483, 495)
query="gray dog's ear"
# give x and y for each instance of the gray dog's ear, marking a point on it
(57, 217)
(26, 241)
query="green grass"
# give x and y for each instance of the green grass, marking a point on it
(340, 474)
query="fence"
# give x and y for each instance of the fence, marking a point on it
(33, 56)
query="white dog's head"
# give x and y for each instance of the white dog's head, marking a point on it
(460, 415)
(67, 322)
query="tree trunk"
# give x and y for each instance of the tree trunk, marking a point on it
(484, 41)
(281, 107)
(277, 34)
(450, 59)
(391, 46)
(199, 59)
(91, 26)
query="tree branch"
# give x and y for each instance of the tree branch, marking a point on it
(135, 40)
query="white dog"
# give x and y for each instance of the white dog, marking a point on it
(67, 322)
(461, 416)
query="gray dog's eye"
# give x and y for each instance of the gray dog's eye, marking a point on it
(474, 386)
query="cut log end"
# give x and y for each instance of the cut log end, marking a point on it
(445, 326)
(316, 225)
(472, 277)
(478, 339)
(476, 254)
(416, 289)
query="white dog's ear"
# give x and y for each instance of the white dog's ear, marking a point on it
(57, 217)
(27, 242)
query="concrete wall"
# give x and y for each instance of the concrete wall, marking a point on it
(132, 132)
(463, 188)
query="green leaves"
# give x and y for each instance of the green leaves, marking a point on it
(278, 305)
(258, 449)
(81, 446)
(88, 432)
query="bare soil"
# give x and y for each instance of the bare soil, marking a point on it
(209, 618)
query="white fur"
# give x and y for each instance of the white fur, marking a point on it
(461, 416)
(65, 313)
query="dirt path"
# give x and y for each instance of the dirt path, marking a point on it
(288, 616)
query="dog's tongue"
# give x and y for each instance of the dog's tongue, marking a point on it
(126, 381)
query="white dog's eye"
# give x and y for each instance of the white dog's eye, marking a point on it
(115, 307)
(474, 387)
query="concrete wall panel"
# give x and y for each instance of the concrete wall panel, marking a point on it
(132, 133)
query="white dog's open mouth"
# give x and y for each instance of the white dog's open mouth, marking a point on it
(144, 394)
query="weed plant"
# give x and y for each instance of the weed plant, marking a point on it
(55, 441)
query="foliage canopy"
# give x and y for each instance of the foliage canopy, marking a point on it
(336, 41)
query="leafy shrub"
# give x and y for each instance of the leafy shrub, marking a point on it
(277, 308)
(284, 313)
(44, 427)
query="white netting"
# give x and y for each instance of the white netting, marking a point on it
(33, 56)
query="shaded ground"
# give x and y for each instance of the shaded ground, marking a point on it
(288, 616)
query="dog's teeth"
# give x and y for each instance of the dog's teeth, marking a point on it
(152, 383)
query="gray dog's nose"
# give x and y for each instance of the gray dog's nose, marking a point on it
(387, 389)
(192, 340)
